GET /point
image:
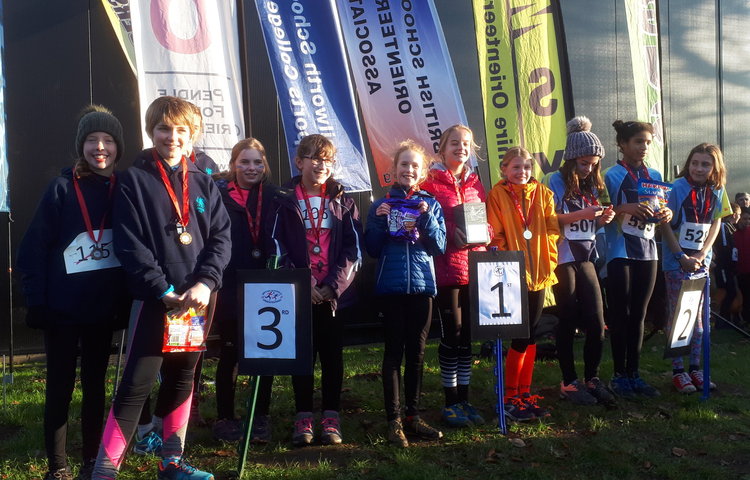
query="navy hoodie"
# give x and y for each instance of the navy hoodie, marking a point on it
(145, 236)
(84, 297)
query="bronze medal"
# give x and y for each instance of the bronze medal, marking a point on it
(97, 253)
(316, 249)
(255, 253)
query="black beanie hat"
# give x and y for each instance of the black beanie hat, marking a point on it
(96, 118)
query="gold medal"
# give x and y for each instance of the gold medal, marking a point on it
(186, 238)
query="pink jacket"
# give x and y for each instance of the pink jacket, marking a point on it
(452, 268)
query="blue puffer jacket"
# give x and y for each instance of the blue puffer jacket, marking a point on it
(405, 268)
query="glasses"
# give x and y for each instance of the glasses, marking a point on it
(328, 162)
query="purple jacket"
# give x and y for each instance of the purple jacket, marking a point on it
(289, 243)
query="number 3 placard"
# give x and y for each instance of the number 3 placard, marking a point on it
(274, 336)
(499, 297)
(684, 318)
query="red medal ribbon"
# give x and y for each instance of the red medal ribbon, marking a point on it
(706, 203)
(184, 215)
(642, 169)
(192, 156)
(525, 219)
(85, 210)
(588, 200)
(315, 228)
(254, 224)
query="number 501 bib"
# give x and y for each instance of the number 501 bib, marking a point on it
(80, 256)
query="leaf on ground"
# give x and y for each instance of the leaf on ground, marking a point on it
(637, 415)
(142, 468)
(663, 412)
(647, 465)
(679, 452)
(492, 456)
(517, 442)
(724, 463)
(558, 452)
(225, 453)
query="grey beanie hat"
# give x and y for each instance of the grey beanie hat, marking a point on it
(581, 142)
(95, 118)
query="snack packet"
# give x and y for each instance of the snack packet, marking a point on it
(184, 333)
(402, 221)
(653, 193)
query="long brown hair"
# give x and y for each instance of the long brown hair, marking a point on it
(718, 177)
(574, 185)
(249, 143)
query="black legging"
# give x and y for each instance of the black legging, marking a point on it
(406, 323)
(61, 345)
(629, 287)
(327, 332)
(579, 303)
(536, 305)
(454, 351)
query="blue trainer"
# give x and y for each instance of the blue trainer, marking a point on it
(640, 387)
(454, 416)
(148, 445)
(472, 414)
(180, 469)
(621, 386)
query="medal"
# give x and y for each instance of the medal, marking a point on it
(315, 228)
(316, 249)
(255, 253)
(525, 219)
(527, 234)
(97, 252)
(183, 215)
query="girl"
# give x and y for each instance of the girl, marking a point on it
(699, 201)
(631, 256)
(74, 286)
(453, 181)
(246, 194)
(578, 189)
(172, 237)
(406, 286)
(522, 214)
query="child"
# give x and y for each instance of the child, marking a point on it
(453, 181)
(522, 214)
(725, 264)
(315, 225)
(406, 285)
(742, 244)
(631, 257)
(199, 157)
(578, 189)
(246, 193)
(172, 236)
(699, 201)
(74, 286)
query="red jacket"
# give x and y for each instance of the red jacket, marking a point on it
(742, 244)
(452, 268)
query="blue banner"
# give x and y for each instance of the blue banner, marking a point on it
(306, 49)
(4, 193)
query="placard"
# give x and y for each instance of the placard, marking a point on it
(685, 315)
(499, 295)
(275, 335)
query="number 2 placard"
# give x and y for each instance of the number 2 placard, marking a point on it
(275, 329)
(684, 318)
(499, 298)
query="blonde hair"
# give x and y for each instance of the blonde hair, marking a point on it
(513, 153)
(411, 145)
(249, 143)
(718, 177)
(172, 111)
(474, 147)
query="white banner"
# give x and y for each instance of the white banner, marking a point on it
(190, 49)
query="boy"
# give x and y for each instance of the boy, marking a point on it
(199, 157)
(315, 225)
(171, 233)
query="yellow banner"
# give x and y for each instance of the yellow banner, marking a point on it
(120, 21)
(522, 81)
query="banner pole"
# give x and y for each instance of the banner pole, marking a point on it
(500, 386)
(245, 442)
(706, 339)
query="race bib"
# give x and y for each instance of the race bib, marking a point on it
(316, 210)
(693, 235)
(638, 228)
(580, 230)
(82, 255)
(735, 255)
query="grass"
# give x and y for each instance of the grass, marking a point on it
(672, 437)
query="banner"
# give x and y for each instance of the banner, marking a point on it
(524, 81)
(118, 12)
(189, 49)
(405, 80)
(304, 44)
(4, 192)
(643, 32)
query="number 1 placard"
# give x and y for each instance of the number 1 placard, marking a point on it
(499, 296)
(275, 334)
(685, 315)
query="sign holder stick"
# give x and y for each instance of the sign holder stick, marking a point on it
(500, 386)
(244, 444)
(706, 340)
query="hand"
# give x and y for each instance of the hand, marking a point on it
(383, 209)
(171, 300)
(196, 297)
(327, 293)
(422, 207)
(315, 294)
(637, 210)
(607, 215)
(690, 264)
(664, 215)
(459, 238)
(591, 212)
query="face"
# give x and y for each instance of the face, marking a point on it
(743, 201)
(634, 151)
(700, 167)
(171, 141)
(585, 165)
(736, 216)
(315, 169)
(100, 151)
(408, 168)
(457, 149)
(744, 221)
(518, 170)
(249, 168)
